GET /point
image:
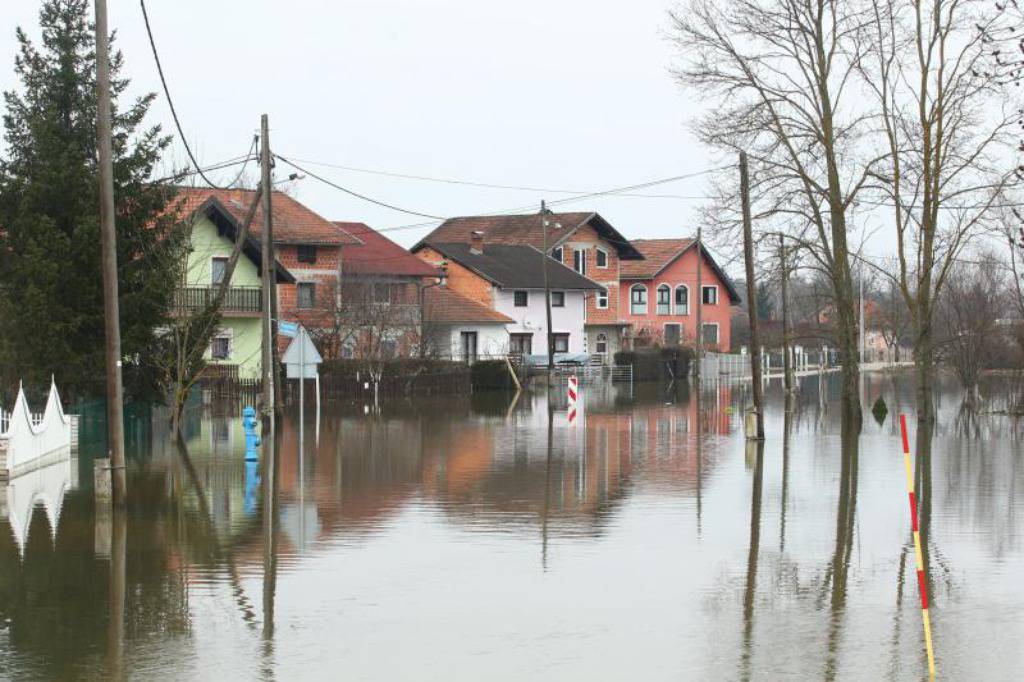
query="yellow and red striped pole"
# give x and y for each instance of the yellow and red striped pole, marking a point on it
(921, 585)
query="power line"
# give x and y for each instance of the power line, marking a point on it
(354, 193)
(220, 165)
(170, 102)
(486, 185)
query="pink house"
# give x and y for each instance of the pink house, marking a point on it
(658, 296)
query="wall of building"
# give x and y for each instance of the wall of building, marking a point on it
(587, 238)
(491, 342)
(533, 318)
(681, 271)
(461, 278)
(206, 245)
(246, 340)
(324, 273)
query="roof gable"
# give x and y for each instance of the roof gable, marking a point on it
(228, 226)
(528, 229)
(659, 254)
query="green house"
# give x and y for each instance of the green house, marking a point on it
(216, 218)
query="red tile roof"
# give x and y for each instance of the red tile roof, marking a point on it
(527, 229)
(293, 222)
(444, 305)
(658, 253)
(378, 255)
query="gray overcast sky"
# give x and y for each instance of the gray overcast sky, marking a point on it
(557, 94)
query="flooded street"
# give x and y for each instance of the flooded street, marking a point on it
(469, 540)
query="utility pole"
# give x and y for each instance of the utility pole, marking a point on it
(748, 259)
(700, 316)
(108, 240)
(862, 348)
(547, 288)
(787, 364)
(267, 268)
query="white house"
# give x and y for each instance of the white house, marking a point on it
(509, 279)
(459, 328)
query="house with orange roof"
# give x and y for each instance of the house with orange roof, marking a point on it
(659, 296)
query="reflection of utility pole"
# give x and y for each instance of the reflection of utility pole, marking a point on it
(118, 590)
(700, 315)
(755, 336)
(108, 240)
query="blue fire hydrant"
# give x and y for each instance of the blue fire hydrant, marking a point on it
(252, 439)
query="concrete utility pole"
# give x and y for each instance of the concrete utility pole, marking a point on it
(267, 268)
(748, 259)
(699, 360)
(108, 240)
(787, 364)
(547, 288)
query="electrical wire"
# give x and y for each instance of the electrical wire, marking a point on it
(170, 102)
(354, 193)
(220, 165)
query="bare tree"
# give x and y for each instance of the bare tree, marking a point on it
(969, 311)
(928, 70)
(780, 73)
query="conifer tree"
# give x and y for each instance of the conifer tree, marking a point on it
(51, 298)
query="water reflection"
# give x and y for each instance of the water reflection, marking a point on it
(637, 542)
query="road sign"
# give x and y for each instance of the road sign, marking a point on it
(289, 329)
(301, 359)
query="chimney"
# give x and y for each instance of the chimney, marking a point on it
(476, 242)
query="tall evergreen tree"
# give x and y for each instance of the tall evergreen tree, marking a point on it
(51, 320)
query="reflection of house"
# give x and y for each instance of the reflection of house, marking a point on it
(583, 241)
(659, 295)
(382, 289)
(510, 279)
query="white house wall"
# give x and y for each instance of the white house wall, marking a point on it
(532, 318)
(491, 340)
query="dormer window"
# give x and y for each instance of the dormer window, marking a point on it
(601, 257)
(557, 254)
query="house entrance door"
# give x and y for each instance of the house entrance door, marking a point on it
(672, 334)
(469, 347)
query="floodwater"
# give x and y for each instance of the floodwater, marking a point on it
(472, 539)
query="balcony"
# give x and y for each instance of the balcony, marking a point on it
(237, 300)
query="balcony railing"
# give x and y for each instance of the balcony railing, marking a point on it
(236, 300)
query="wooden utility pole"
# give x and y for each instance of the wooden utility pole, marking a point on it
(787, 363)
(108, 240)
(547, 288)
(699, 360)
(267, 270)
(748, 259)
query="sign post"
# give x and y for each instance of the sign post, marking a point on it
(302, 361)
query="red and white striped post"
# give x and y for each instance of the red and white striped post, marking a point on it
(573, 393)
(921, 584)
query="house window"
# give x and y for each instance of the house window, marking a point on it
(557, 254)
(306, 253)
(561, 343)
(306, 295)
(521, 344)
(520, 298)
(389, 349)
(601, 346)
(682, 300)
(673, 334)
(664, 299)
(710, 296)
(218, 270)
(638, 299)
(710, 335)
(220, 348)
(382, 293)
(579, 261)
(601, 258)
(557, 299)
(602, 298)
(468, 344)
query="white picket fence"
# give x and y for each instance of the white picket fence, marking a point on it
(30, 439)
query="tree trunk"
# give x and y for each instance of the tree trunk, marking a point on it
(924, 368)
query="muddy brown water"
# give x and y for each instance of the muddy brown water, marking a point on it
(465, 539)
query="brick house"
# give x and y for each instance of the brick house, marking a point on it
(582, 241)
(382, 294)
(659, 296)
